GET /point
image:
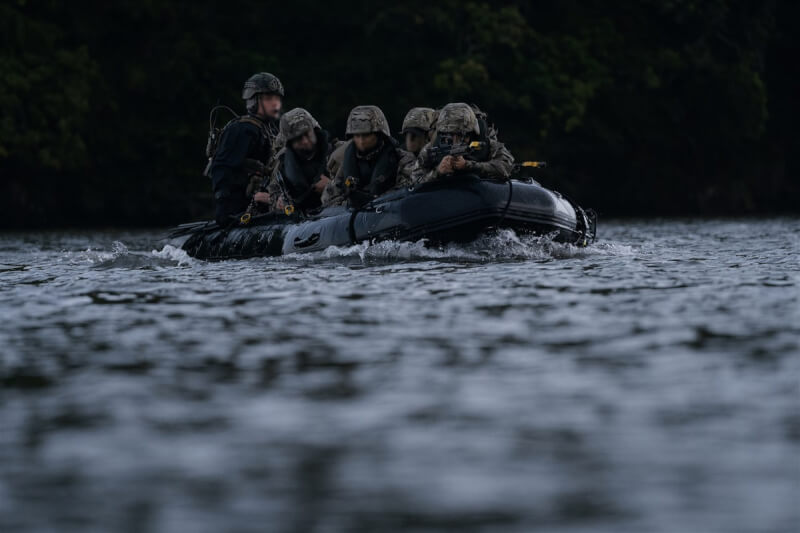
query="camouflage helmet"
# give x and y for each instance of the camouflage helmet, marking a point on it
(262, 83)
(457, 118)
(367, 119)
(420, 118)
(296, 122)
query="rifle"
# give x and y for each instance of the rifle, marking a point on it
(437, 153)
(288, 209)
(534, 164)
(253, 166)
(522, 171)
(356, 196)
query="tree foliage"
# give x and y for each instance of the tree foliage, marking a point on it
(641, 107)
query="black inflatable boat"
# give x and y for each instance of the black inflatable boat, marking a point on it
(453, 210)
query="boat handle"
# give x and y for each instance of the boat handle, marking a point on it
(312, 239)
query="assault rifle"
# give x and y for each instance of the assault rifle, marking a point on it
(356, 196)
(533, 164)
(437, 153)
(288, 209)
(253, 166)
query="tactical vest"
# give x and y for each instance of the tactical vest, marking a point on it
(268, 133)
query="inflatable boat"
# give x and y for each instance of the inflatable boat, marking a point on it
(450, 210)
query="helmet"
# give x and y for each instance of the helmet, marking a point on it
(296, 122)
(367, 119)
(420, 118)
(457, 118)
(261, 83)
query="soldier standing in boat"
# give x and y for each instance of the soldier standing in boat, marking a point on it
(417, 128)
(462, 144)
(246, 147)
(301, 174)
(369, 163)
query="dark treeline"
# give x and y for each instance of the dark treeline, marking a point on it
(639, 106)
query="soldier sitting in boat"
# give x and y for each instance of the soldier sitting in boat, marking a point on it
(245, 147)
(369, 163)
(462, 144)
(300, 174)
(416, 129)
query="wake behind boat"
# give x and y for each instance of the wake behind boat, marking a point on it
(458, 209)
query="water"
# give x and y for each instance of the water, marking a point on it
(648, 383)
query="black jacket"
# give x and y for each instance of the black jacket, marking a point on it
(247, 138)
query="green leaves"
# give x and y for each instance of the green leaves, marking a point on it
(44, 95)
(123, 89)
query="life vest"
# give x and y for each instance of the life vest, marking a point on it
(297, 180)
(376, 173)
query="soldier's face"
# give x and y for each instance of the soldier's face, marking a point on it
(305, 144)
(414, 141)
(365, 141)
(270, 105)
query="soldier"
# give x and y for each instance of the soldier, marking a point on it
(370, 163)
(245, 147)
(417, 128)
(479, 153)
(300, 175)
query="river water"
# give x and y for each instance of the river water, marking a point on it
(648, 383)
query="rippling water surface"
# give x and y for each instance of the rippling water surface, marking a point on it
(648, 383)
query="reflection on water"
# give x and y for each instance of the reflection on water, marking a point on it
(647, 383)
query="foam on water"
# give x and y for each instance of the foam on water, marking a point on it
(120, 256)
(502, 245)
(88, 256)
(171, 253)
(498, 246)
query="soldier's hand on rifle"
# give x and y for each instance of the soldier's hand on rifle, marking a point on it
(320, 185)
(459, 163)
(280, 205)
(446, 165)
(261, 197)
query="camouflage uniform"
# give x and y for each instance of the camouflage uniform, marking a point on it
(419, 120)
(494, 161)
(387, 166)
(336, 159)
(298, 174)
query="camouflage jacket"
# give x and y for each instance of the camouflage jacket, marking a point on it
(274, 188)
(336, 191)
(498, 165)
